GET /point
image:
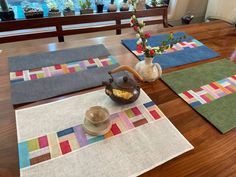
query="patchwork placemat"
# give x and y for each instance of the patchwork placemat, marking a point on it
(210, 89)
(44, 75)
(188, 51)
(52, 142)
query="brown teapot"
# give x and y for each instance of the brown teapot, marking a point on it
(123, 90)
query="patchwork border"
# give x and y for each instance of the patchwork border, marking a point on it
(56, 144)
(176, 47)
(61, 69)
(210, 92)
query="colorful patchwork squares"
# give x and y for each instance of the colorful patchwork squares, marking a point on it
(210, 92)
(60, 69)
(177, 47)
(33, 151)
(60, 143)
(153, 110)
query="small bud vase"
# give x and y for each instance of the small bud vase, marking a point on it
(148, 70)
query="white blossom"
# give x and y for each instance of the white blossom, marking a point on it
(156, 48)
(139, 41)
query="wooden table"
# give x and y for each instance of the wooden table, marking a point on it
(214, 153)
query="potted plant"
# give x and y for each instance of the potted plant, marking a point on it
(85, 7)
(53, 10)
(68, 8)
(155, 3)
(112, 7)
(100, 6)
(124, 6)
(31, 12)
(6, 13)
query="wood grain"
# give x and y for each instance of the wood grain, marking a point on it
(60, 22)
(214, 154)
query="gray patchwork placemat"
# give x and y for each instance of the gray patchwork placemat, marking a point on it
(44, 75)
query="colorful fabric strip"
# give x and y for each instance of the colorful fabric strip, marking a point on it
(60, 69)
(210, 92)
(65, 141)
(177, 47)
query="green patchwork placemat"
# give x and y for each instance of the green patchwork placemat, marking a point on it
(210, 89)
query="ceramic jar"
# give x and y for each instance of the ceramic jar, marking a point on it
(140, 4)
(124, 7)
(112, 8)
(148, 70)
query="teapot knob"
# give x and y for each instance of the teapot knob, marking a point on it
(125, 79)
(111, 80)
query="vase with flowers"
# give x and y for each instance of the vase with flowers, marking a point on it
(147, 69)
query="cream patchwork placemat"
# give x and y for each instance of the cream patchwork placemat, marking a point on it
(51, 140)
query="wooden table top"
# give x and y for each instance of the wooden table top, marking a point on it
(214, 153)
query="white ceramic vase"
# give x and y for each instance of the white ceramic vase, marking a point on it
(148, 70)
(112, 8)
(140, 4)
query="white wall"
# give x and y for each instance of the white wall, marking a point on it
(179, 8)
(222, 9)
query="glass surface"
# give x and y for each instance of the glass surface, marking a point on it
(17, 7)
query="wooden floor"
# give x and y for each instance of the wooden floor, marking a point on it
(214, 154)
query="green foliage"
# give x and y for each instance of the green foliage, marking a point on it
(85, 5)
(88, 3)
(154, 3)
(68, 4)
(52, 5)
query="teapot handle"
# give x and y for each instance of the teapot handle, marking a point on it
(127, 68)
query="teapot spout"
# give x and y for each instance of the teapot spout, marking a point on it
(129, 69)
(105, 83)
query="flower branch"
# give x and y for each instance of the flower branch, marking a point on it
(142, 43)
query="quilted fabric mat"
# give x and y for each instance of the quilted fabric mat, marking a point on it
(210, 89)
(188, 51)
(44, 75)
(140, 139)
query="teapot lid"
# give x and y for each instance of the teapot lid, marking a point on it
(125, 82)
